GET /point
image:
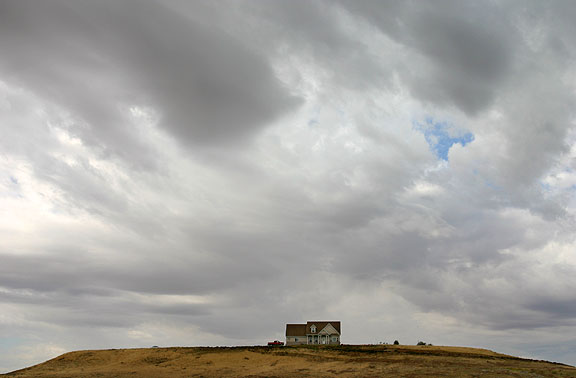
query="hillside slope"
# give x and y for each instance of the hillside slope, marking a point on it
(303, 361)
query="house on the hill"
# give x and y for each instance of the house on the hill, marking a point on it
(315, 332)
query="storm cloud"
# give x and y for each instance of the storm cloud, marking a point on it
(176, 173)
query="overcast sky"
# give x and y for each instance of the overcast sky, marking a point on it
(201, 173)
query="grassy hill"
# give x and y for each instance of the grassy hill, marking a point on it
(302, 361)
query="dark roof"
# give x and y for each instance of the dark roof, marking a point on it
(321, 324)
(295, 329)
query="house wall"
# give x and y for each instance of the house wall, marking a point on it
(319, 340)
(295, 340)
(301, 340)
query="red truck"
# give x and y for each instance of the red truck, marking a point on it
(275, 343)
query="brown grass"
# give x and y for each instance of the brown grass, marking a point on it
(302, 361)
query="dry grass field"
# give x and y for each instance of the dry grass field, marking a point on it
(303, 361)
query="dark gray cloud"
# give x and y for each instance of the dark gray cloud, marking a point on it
(99, 60)
(469, 47)
(562, 308)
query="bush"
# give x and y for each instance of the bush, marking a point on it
(421, 343)
(396, 342)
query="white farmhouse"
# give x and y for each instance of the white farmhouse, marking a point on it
(314, 332)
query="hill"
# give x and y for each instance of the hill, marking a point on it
(302, 361)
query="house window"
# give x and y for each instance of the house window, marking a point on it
(313, 329)
(295, 339)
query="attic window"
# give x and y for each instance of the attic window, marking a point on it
(313, 328)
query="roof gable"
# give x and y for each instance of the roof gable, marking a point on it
(320, 325)
(329, 330)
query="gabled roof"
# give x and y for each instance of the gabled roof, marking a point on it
(295, 329)
(320, 326)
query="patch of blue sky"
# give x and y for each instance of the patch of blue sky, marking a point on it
(491, 185)
(10, 187)
(545, 186)
(441, 136)
(485, 181)
(313, 122)
(7, 342)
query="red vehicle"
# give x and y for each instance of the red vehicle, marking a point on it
(276, 343)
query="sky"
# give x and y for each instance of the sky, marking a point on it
(180, 173)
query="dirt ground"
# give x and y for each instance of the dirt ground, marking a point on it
(302, 361)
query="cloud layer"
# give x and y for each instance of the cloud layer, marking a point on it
(201, 174)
